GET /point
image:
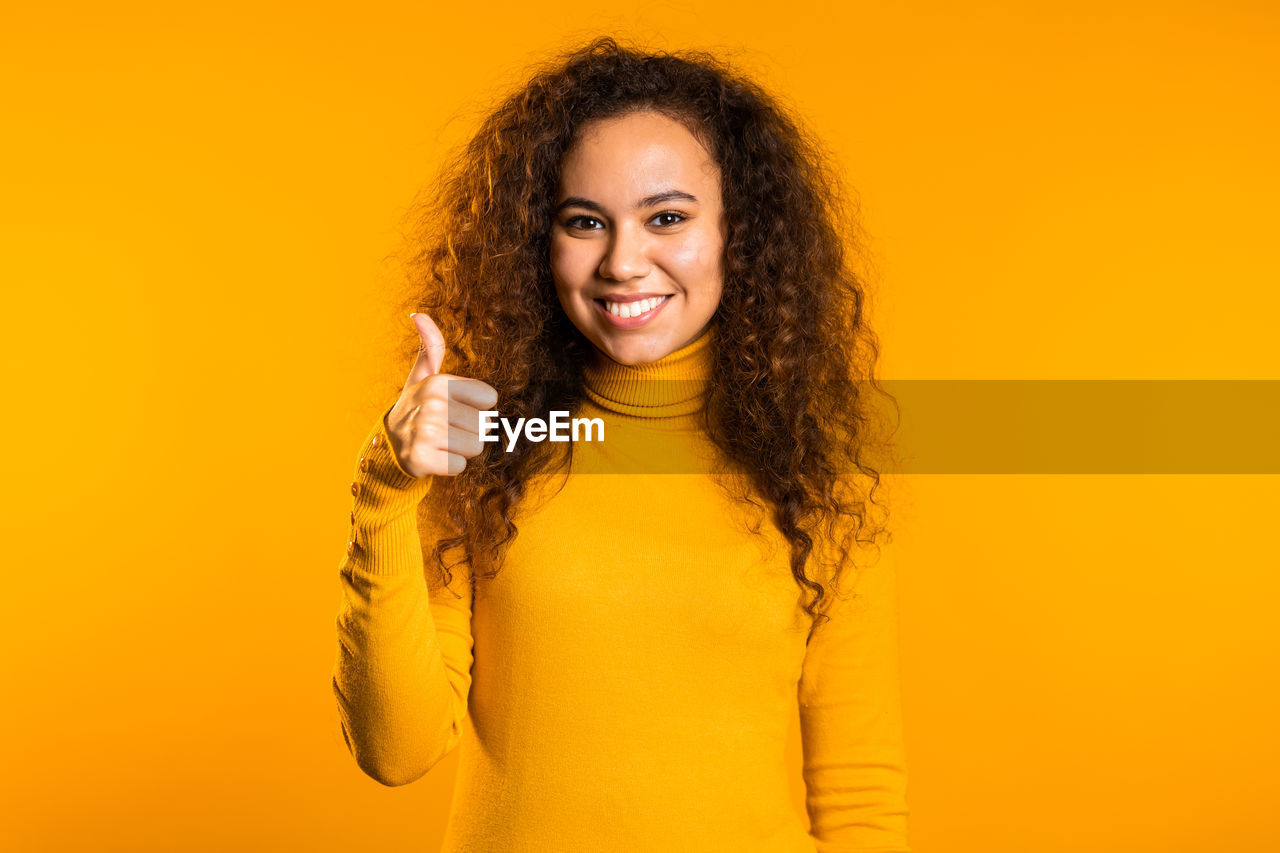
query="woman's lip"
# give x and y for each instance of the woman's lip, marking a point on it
(629, 297)
(632, 322)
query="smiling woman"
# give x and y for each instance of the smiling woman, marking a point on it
(646, 240)
(647, 255)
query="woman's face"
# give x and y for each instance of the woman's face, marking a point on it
(638, 236)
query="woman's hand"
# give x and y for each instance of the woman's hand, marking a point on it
(435, 425)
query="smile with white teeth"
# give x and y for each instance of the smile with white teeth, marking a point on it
(633, 309)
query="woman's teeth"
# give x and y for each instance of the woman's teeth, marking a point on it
(633, 309)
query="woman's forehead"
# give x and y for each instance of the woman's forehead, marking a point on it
(634, 156)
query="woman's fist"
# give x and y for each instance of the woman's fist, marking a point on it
(435, 425)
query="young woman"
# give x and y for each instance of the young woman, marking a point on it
(618, 630)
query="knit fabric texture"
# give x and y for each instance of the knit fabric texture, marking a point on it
(628, 679)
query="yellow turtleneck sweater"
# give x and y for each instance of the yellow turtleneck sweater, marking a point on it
(627, 680)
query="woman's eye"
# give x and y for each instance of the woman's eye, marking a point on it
(583, 223)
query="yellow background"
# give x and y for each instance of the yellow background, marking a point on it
(197, 205)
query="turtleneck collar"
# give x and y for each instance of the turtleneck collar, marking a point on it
(672, 386)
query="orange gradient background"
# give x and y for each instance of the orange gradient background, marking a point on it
(198, 205)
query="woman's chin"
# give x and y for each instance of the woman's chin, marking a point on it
(630, 352)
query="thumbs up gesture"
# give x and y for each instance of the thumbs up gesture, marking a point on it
(435, 425)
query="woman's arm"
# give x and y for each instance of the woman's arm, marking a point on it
(403, 671)
(851, 720)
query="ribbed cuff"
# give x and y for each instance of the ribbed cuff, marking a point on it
(383, 537)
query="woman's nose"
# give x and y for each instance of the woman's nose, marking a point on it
(626, 256)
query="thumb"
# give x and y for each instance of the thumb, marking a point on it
(431, 353)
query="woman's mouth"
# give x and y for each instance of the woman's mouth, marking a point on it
(632, 315)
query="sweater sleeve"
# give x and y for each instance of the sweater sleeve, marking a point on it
(851, 723)
(403, 669)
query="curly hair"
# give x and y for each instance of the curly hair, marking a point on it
(793, 354)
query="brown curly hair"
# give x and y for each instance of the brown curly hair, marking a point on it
(793, 353)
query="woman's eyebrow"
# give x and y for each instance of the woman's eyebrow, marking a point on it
(647, 201)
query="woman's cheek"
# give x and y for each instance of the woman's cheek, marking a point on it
(571, 264)
(557, 258)
(697, 258)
